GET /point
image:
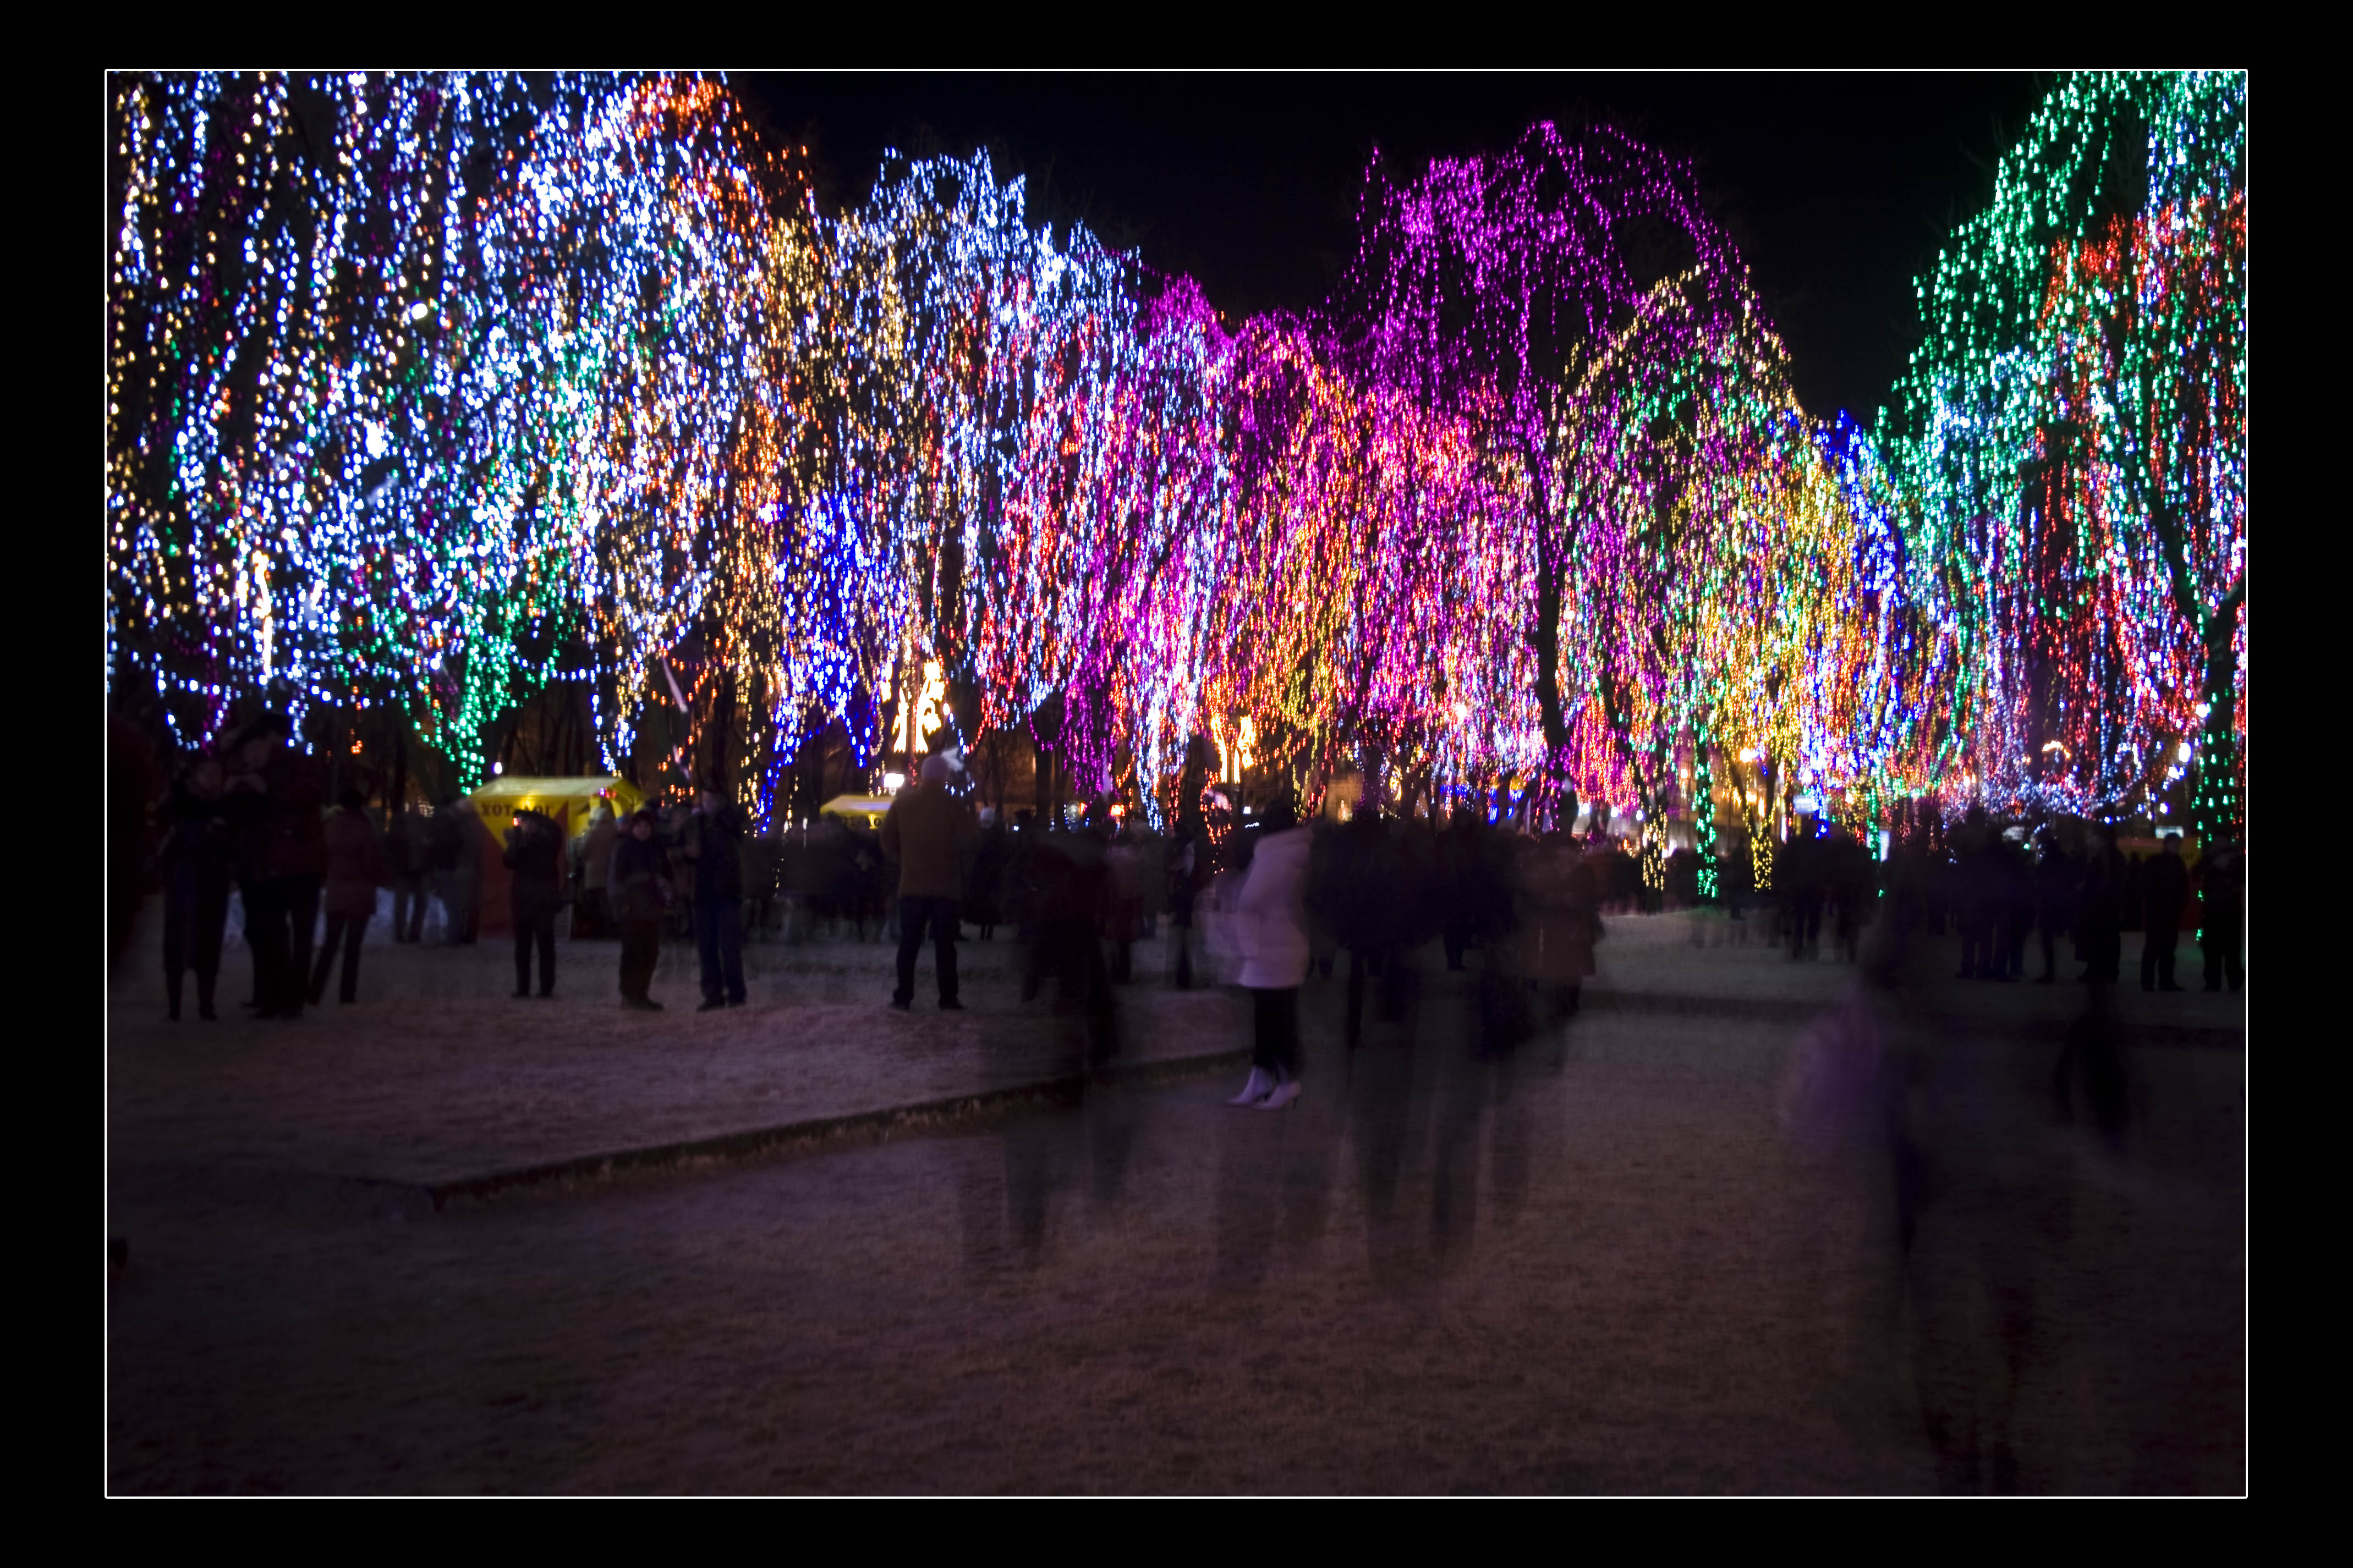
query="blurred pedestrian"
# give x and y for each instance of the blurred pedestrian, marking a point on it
(196, 872)
(638, 881)
(1124, 918)
(1067, 878)
(590, 917)
(1682, 877)
(1370, 890)
(2223, 920)
(1183, 863)
(1459, 855)
(2017, 909)
(2092, 1056)
(1801, 876)
(534, 853)
(984, 891)
(1735, 882)
(711, 842)
(1849, 889)
(2100, 910)
(763, 855)
(931, 837)
(2164, 892)
(404, 861)
(449, 867)
(2056, 878)
(1560, 921)
(1975, 893)
(1271, 921)
(355, 870)
(281, 860)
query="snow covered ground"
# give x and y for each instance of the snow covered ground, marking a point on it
(439, 1075)
(1594, 1266)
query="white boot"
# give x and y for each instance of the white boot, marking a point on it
(1261, 1085)
(1284, 1093)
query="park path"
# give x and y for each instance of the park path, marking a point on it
(439, 1078)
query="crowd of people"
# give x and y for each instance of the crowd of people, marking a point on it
(2007, 889)
(1291, 901)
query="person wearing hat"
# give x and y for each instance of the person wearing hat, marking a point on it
(931, 837)
(641, 886)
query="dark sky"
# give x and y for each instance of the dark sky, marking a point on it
(1837, 188)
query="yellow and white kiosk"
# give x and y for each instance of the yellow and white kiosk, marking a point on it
(865, 811)
(569, 802)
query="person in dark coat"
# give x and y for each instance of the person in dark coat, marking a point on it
(197, 870)
(1735, 880)
(1182, 867)
(1848, 869)
(2099, 917)
(1802, 877)
(2055, 877)
(2016, 910)
(712, 840)
(832, 870)
(448, 867)
(1476, 865)
(281, 860)
(2164, 893)
(2222, 919)
(987, 903)
(1364, 887)
(1123, 914)
(534, 853)
(1974, 894)
(638, 883)
(931, 837)
(355, 870)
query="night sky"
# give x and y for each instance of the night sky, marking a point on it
(1837, 188)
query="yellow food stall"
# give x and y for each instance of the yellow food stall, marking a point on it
(865, 811)
(569, 802)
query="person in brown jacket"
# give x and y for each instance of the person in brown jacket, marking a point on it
(931, 837)
(355, 870)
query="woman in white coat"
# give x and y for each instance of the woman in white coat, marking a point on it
(1271, 925)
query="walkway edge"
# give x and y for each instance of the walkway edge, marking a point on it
(793, 1137)
(1802, 1010)
(936, 1115)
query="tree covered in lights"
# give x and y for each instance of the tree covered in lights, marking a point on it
(425, 393)
(1484, 286)
(2072, 445)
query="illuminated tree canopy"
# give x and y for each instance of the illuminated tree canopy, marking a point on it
(427, 392)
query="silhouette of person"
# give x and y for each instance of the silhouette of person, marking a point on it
(2164, 892)
(2223, 923)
